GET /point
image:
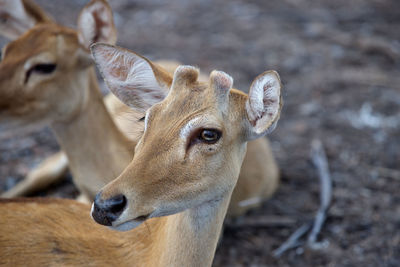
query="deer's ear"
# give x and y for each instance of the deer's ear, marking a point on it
(264, 104)
(96, 24)
(132, 78)
(18, 16)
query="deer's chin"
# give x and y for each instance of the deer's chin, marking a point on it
(126, 226)
(129, 224)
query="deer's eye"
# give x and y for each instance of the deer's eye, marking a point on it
(44, 68)
(40, 69)
(142, 118)
(209, 136)
(205, 136)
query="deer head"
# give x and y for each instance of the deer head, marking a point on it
(194, 139)
(44, 74)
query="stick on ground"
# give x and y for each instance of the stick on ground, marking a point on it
(320, 161)
(293, 241)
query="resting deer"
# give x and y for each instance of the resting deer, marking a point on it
(75, 99)
(47, 78)
(179, 182)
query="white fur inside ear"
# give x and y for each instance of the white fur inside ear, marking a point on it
(16, 9)
(15, 19)
(87, 30)
(129, 77)
(264, 104)
(96, 24)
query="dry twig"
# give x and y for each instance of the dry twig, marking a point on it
(293, 241)
(320, 161)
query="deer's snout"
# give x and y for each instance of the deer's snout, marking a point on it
(106, 211)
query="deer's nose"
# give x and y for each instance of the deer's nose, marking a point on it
(105, 211)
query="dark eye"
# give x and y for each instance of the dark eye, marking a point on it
(142, 118)
(40, 69)
(209, 136)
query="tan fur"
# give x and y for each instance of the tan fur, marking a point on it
(64, 235)
(194, 184)
(60, 232)
(258, 177)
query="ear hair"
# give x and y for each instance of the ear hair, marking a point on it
(96, 24)
(132, 78)
(264, 103)
(18, 16)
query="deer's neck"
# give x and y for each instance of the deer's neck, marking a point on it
(97, 151)
(188, 238)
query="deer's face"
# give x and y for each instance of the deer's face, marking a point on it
(40, 74)
(44, 73)
(191, 150)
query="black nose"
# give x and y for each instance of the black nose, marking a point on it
(105, 211)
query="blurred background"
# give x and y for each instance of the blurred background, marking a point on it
(340, 65)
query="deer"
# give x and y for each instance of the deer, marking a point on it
(259, 175)
(47, 78)
(169, 204)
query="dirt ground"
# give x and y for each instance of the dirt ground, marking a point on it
(340, 66)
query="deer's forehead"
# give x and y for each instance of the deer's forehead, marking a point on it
(38, 40)
(174, 112)
(186, 102)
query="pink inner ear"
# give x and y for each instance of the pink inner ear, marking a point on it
(119, 72)
(112, 62)
(103, 29)
(96, 24)
(129, 76)
(16, 19)
(263, 105)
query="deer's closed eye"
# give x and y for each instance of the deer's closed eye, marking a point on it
(45, 68)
